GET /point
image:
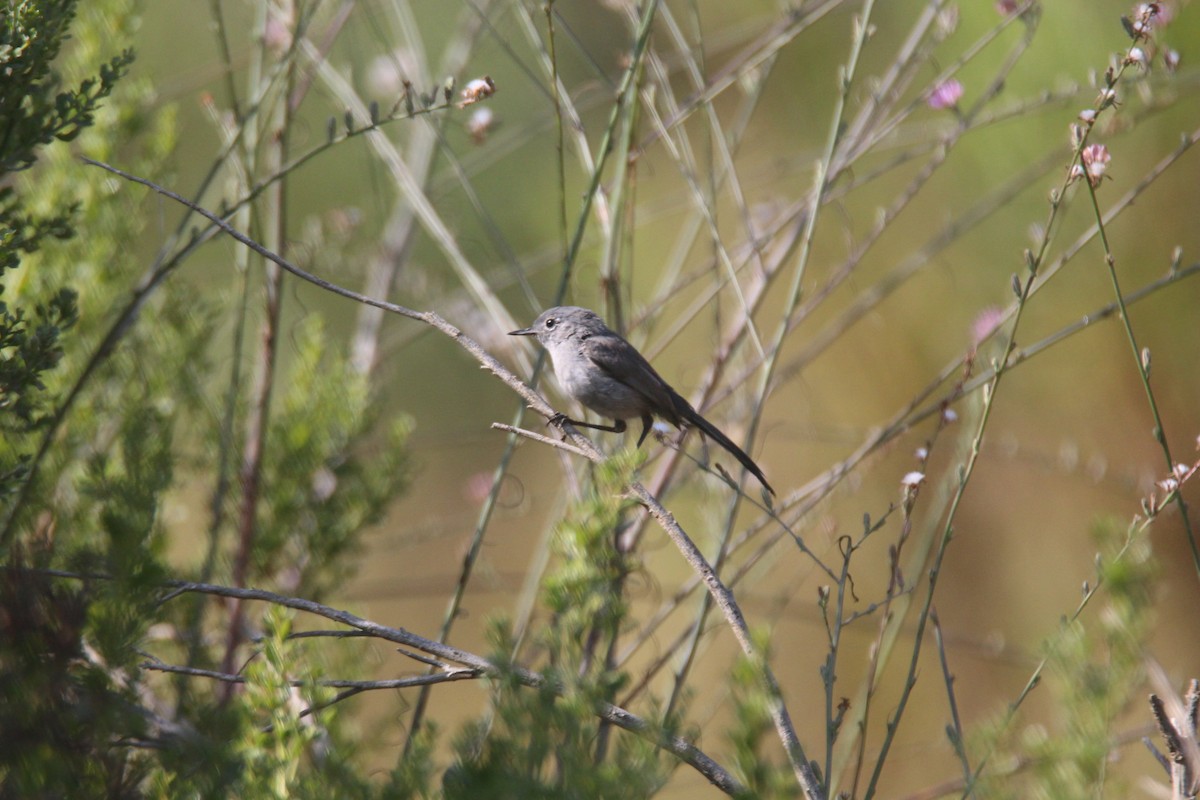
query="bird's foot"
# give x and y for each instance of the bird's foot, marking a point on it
(666, 437)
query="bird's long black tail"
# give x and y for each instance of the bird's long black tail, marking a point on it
(693, 417)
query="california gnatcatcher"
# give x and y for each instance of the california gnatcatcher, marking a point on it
(608, 375)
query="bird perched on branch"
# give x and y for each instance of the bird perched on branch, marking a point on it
(608, 375)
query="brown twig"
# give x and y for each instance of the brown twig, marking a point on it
(258, 418)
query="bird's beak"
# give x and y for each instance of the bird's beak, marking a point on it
(522, 332)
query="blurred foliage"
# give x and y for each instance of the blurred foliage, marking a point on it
(276, 736)
(84, 275)
(321, 495)
(60, 703)
(67, 677)
(548, 742)
(81, 325)
(1095, 672)
(753, 729)
(35, 108)
(584, 592)
(542, 743)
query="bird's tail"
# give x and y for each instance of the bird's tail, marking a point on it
(693, 417)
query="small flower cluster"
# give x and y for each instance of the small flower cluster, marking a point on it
(1095, 158)
(1145, 19)
(476, 90)
(1168, 487)
(912, 481)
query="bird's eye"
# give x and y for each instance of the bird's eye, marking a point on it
(550, 323)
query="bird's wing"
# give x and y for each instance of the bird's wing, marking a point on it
(622, 362)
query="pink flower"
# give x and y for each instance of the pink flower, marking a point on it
(1006, 7)
(277, 33)
(1095, 160)
(985, 323)
(478, 486)
(945, 95)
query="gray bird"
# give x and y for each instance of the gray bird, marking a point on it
(608, 375)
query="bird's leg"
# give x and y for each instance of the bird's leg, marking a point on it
(560, 418)
(647, 424)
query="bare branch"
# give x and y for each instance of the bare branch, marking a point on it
(477, 666)
(538, 437)
(334, 683)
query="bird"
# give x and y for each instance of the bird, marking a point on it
(598, 368)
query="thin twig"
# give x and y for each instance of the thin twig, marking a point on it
(539, 437)
(955, 729)
(258, 418)
(333, 683)
(1141, 364)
